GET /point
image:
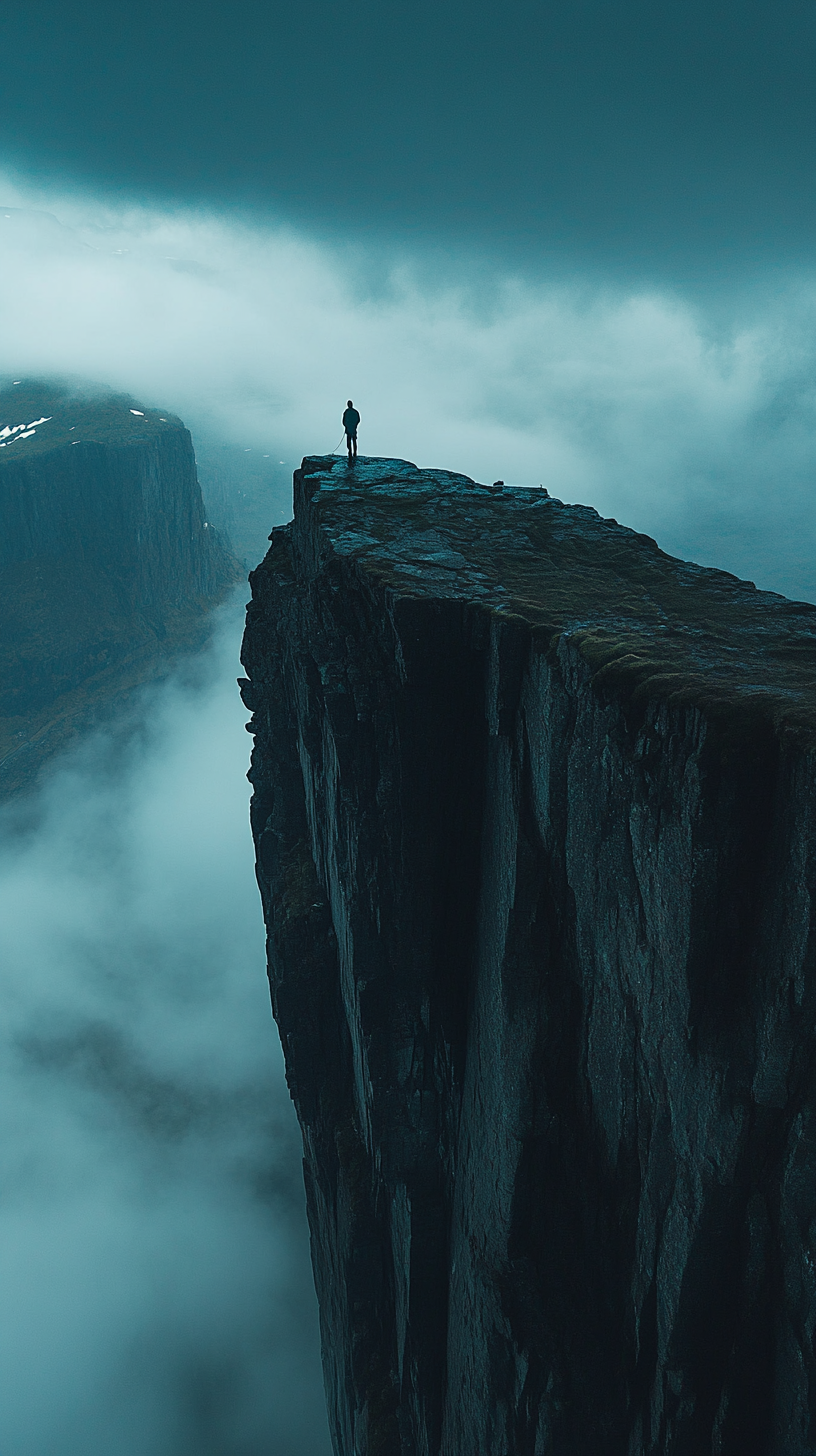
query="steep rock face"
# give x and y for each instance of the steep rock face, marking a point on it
(106, 561)
(534, 814)
(244, 492)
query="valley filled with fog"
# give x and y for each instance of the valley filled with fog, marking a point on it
(158, 1297)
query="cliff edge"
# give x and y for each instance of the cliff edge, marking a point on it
(107, 565)
(535, 809)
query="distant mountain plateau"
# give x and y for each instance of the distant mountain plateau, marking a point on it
(108, 564)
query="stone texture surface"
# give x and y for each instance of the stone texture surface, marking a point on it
(535, 811)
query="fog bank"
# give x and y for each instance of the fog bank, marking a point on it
(691, 421)
(157, 1292)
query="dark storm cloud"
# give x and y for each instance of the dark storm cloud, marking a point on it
(666, 138)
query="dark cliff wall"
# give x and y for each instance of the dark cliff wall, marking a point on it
(534, 808)
(107, 565)
(244, 491)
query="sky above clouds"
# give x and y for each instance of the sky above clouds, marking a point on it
(655, 141)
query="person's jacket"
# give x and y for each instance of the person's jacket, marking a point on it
(351, 420)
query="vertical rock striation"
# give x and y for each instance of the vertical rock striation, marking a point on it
(534, 808)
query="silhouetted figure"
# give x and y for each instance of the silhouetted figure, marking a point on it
(351, 420)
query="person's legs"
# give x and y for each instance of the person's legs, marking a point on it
(348, 446)
(354, 442)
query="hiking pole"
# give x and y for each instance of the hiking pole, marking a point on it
(339, 443)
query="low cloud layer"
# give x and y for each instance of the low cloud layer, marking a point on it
(691, 421)
(157, 1294)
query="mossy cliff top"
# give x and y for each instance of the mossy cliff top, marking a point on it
(55, 416)
(647, 624)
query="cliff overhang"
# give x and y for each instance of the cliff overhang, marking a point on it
(535, 819)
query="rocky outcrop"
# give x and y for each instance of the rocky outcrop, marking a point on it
(107, 565)
(534, 808)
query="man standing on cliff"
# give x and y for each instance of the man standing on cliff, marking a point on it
(351, 420)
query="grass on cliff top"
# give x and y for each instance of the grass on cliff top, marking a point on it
(646, 623)
(72, 415)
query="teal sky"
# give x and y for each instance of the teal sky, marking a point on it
(673, 140)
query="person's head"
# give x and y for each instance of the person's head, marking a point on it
(350, 405)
